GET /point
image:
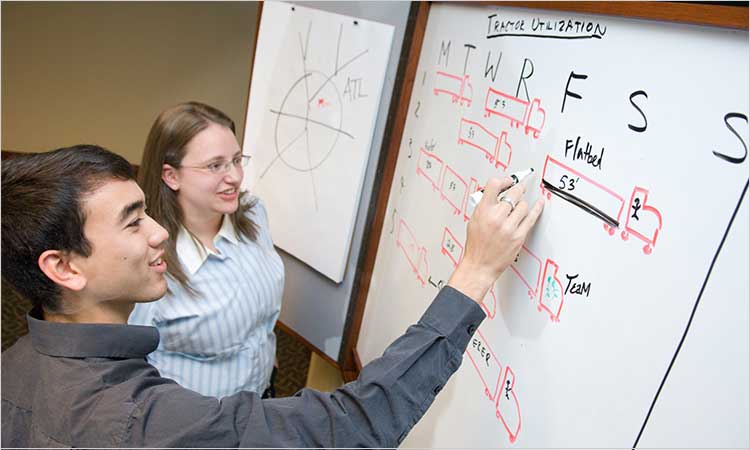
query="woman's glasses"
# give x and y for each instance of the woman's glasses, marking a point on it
(222, 167)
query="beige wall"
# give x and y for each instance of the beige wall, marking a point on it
(100, 72)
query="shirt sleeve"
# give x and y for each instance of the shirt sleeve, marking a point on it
(376, 410)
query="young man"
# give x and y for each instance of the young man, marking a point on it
(77, 242)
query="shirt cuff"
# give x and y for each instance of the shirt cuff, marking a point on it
(454, 315)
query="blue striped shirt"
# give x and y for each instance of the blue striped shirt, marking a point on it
(221, 341)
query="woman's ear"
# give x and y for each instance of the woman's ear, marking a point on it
(170, 177)
(59, 267)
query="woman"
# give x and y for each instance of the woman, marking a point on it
(225, 278)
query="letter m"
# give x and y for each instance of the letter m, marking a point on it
(444, 51)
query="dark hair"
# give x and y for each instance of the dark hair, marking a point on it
(166, 142)
(41, 210)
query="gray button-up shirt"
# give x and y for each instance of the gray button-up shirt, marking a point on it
(89, 385)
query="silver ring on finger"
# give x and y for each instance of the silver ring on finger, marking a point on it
(509, 201)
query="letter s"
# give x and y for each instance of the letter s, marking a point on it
(645, 121)
(734, 159)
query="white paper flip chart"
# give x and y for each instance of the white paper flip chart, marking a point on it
(314, 94)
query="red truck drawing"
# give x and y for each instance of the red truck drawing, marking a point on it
(582, 191)
(643, 221)
(499, 384)
(457, 87)
(530, 115)
(415, 254)
(551, 299)
(454, 189)
(542, 284)
(528, 268)
(496, 149)
(451, 247)
(430, 166)
(507, 408)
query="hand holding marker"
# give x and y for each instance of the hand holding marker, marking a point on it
(516, 177)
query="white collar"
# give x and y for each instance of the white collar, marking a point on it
(193, 255)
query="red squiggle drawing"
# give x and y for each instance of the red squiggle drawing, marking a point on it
(415, 254)
(519, 112)
(644, 222)
(496, 149)
(457, 87)
(499, 384)
(430, 166)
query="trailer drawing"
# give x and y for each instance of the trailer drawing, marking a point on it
(643, 221)
(429, 166)
(496, 148)
(519, 112)
(498, 382)
(541, 284)
(507, 407)
(451, 247)
(415, 254)
(582, 191)
(528, 268)
(459, 88)
(454, 189)
(551, 299)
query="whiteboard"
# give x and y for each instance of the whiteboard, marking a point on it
(644, 163)
(314, 96)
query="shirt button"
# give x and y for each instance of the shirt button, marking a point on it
(471, 329)
(437, 389)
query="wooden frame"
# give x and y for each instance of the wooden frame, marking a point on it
(281, 325)
(252, 63)
(407, 69)
(690, 13)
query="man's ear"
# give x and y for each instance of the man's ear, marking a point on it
(61, 270)
(170, 177)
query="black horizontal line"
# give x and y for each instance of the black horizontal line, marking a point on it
(592, 36)
(307, 119)
(593, 210)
